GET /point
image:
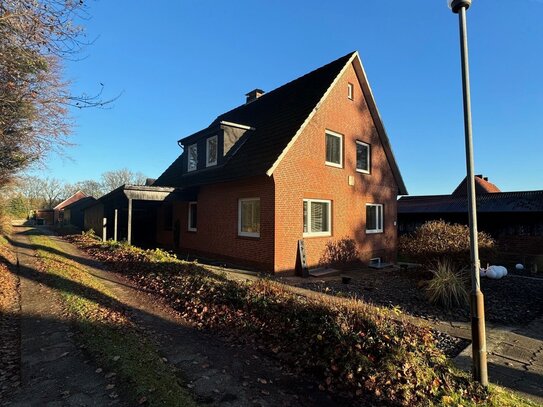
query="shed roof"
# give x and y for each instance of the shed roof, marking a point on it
(520, 201)
(277, 117)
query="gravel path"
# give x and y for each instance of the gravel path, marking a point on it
(54, 371)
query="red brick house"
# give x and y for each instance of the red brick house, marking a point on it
(56, 215)
(309, 160)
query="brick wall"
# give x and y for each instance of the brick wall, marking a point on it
(303, 174)
(217, 229)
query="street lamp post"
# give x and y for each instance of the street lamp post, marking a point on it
(478, 335)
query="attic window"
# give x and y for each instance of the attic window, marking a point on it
(192, 160)
(362, 157)
(211, 151)
(350, 91)
(334, 149)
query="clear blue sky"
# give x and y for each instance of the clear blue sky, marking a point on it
(181, 63)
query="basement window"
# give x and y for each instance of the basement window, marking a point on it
(334, 149)
(249, 217)
(317, 217)
(192, 160)
(193, 217)
(363, 155)
(211, 151)
(374, 218)
(350, 91)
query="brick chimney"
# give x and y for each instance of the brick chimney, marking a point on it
(254, 95)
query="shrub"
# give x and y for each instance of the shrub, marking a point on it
(448, 285)
(438, 240)
(340, 253)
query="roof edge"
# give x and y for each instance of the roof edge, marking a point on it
(378, 122)
(270, 171)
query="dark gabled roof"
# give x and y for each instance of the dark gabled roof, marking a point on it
(82, 203)
(522, 201)
(276, 118)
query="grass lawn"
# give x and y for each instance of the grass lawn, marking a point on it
(111, 339)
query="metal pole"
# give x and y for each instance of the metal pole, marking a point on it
(115, 225)
(478, 335)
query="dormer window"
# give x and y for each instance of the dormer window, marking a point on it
(211, 151)
(192, 161)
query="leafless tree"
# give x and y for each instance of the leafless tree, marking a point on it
(116, 178)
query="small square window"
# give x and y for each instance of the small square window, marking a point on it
(193, 216)
(249, 217)
(363, 156)
(374, 218)
(192, 160)
(350, 91)
(211, 151)
(317, 217)
(334, 149)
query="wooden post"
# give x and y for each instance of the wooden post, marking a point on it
(115, 225)
(129, 234)
(104, 229)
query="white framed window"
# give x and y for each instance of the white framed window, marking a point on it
(211, 151)
(363, 157)
(317, 217)
(350, 91)
(375, 261)
(192, 157)
(192, 224)
(374, 218)
(334, 149)
(249, 217)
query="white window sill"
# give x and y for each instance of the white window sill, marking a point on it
(192, 230)
(329, 164)
(249, 234)
(373, 231)
(362, 171)
(317, 234)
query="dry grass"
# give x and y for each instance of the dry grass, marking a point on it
(448, 285)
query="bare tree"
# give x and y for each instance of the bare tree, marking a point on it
(90, 187)
(123, 176)
(35, 38)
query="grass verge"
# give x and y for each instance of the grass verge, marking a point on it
(349, 346)
(108, 335)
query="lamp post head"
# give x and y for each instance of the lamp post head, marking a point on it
(456, 5)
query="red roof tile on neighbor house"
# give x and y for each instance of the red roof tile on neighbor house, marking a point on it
(482, 186)
(75, 197)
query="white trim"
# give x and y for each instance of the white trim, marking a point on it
(241, 126)
(340, 136)
(380, 220)
(188, 158)
(189, 217)
(308, 220)
(308, 119)
(216, 138)
(350, 91)
(369, 158)
(240, 233)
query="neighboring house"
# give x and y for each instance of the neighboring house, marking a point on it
(74, 212)
(515, 219)
(56, 215)
(309, 160)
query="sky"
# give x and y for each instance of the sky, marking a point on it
(179, 64)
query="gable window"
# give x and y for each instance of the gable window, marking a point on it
(334, 149)
(363, 156)
(193, 216)
(374, 218)
(350, 91)
(249, 217)
(211, 151)
(317, 217)
(192, 161)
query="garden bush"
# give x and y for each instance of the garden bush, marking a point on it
(340, 253)
(448, 286)
(437, 241)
